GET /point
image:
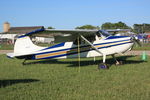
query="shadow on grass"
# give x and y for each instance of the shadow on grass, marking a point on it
(4, 83)
(84, 63)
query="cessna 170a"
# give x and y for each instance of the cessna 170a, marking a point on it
(73, 43)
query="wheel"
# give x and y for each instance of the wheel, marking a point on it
(23, 63)
(119, 63)
(103, 66)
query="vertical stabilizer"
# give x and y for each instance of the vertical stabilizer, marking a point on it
(24, 46)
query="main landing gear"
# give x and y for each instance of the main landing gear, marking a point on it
(105, 66)
(23, 63)
(116, 61)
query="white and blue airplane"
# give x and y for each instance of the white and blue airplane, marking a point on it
(72, 44)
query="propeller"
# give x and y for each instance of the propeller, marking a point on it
(136, 40)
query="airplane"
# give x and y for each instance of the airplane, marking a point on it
(72, 44)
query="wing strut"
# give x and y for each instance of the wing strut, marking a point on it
(91, 44)
(103, 65)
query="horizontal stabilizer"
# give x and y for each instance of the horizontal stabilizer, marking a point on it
(10, 55)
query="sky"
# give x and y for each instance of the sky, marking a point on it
(68, 14)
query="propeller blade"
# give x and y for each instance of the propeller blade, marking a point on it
(136, 40)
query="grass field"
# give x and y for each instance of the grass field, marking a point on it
(6, 47)
(61, 80)
(145, 46)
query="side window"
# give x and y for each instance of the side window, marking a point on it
(98, 34)
(80, 41)
(90, 38)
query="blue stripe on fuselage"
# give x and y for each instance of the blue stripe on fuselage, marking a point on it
(116, 37)
(111, 42)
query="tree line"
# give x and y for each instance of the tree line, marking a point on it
(137, 28)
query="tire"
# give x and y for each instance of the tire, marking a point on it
(103, 66)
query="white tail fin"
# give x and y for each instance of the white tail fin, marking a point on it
(24, 46)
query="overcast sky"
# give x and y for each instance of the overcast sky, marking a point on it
(67, 14)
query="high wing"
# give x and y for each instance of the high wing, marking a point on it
(63, 35)
(70, 35)
(73, 31)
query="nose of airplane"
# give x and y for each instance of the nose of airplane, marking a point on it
(135, 39)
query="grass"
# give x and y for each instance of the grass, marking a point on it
(145, 46)
(6, 47)
(61, 79)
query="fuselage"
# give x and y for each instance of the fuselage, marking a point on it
(108, 46)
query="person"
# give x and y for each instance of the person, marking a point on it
(148, 38)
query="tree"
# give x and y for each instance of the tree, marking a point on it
(119, 25)
(107, 25)
(86, 27)
(50, 27)
(141, 28)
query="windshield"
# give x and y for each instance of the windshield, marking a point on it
(104, 33)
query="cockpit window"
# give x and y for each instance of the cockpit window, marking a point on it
(104, 33)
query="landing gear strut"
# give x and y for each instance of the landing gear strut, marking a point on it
(117, 62)
(23, 63)
(103, 65)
